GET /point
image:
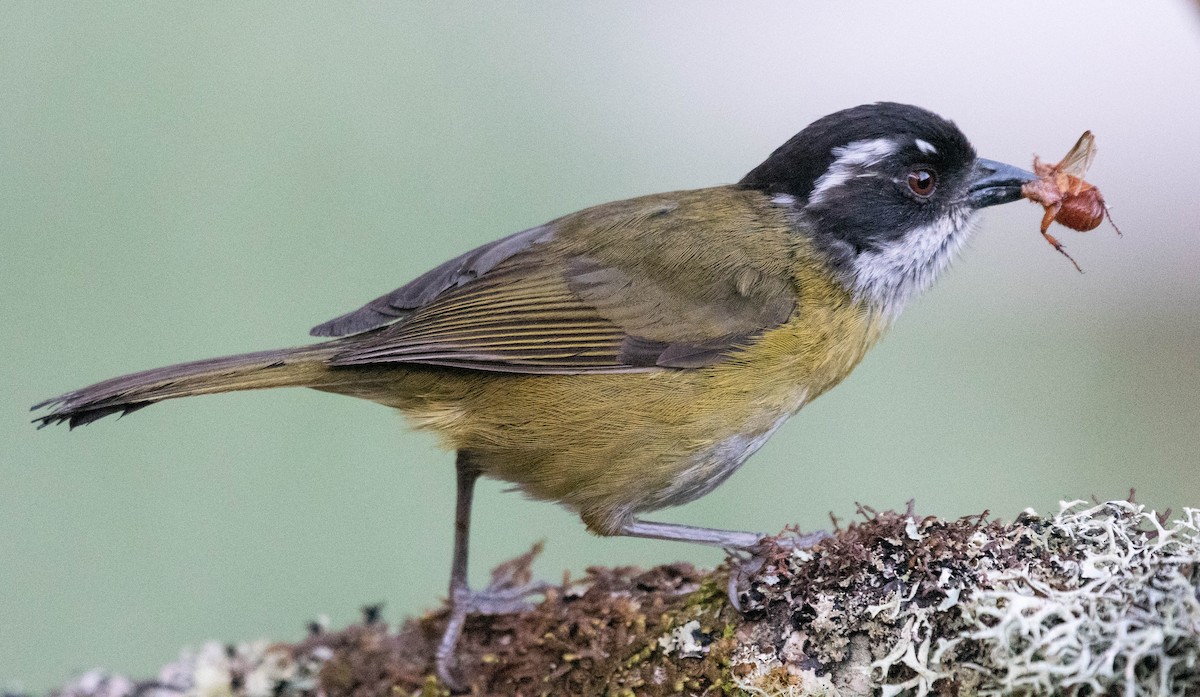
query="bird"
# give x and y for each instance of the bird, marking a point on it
(631, 356)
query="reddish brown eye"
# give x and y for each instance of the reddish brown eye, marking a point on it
(922, 182)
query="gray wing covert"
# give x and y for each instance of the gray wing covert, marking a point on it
(425, 288)
(562, 298)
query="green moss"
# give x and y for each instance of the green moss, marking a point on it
(432, 687)
(710, 595)
(642, 655)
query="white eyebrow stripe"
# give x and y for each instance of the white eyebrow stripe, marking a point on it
(849, 161)
(925, 147)
(863, 152)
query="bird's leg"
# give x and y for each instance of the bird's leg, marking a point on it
(467, 473)
(505, 594)
(726, 539)
(713, 537)
(734, 542)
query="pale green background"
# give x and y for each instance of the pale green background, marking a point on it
(178, 182)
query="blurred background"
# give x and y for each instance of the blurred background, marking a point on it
(178, 182)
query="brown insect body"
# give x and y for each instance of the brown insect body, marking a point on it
(1067, 198)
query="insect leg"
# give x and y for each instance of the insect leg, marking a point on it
(1110, 220)
(1051, 213)
(1061, 250)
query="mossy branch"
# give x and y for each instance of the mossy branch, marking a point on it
(1098, 599)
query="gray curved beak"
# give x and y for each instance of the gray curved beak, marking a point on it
(993, 183)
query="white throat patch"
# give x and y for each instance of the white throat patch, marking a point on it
(889, 277)
(851, 160)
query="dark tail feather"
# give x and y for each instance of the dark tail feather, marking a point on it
(298, 367)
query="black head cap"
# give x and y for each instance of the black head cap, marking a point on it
(888, 191)
(795, 166)
(851, 173)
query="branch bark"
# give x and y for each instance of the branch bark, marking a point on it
(1097, 599)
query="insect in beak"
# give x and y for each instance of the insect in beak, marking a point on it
(1067, 198)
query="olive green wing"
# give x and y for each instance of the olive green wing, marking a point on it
(662, 282)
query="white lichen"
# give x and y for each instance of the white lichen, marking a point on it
(912, 530)
(1124, 619)
(254, 669)
(683, 639)
(1097, 599)
(98, 683)
(805, 683)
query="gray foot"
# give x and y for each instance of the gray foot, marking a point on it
(509, 592)
(746, 562)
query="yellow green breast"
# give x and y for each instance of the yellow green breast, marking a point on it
(611, 445)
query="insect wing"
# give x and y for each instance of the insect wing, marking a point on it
(1077, 161)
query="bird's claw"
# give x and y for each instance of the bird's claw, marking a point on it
(497, 599)
(506, 594)
(744, 564)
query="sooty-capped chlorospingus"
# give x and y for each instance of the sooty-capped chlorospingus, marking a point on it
(631, 356)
